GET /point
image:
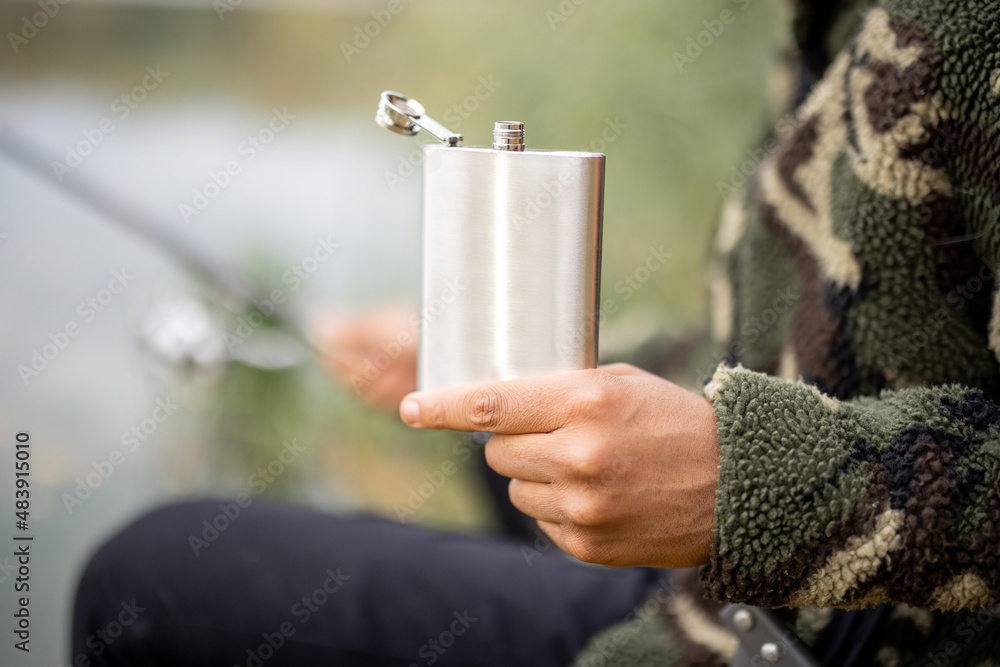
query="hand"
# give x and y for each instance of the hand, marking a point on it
(375, 354)
(619, 466)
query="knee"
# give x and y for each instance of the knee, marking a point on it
(101, 615)
(117, 603)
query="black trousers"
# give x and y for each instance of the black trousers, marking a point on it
(277, 585)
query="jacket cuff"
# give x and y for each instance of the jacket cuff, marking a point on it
(779, 441)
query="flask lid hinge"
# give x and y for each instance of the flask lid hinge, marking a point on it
(404, 115)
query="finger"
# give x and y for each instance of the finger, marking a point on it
(527, 457)
(529, 405)
(343, 367)
(329, 329)
(554, 531)
(389, 387)
(534, 499)
(625, 370)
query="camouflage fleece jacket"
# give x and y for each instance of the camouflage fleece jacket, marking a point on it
(854, 290)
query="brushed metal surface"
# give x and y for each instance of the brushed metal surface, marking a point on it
(511, 258)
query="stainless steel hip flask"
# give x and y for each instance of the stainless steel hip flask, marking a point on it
(510, 254)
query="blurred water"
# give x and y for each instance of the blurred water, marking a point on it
(319, 177)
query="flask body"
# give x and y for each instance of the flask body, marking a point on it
(510, 263)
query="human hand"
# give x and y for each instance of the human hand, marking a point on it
(619, 466)
(374, 353)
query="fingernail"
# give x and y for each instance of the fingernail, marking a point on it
(410, 412)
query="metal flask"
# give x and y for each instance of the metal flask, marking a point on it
(510, 254)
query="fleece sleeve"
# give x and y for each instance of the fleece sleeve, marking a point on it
(848, 504)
